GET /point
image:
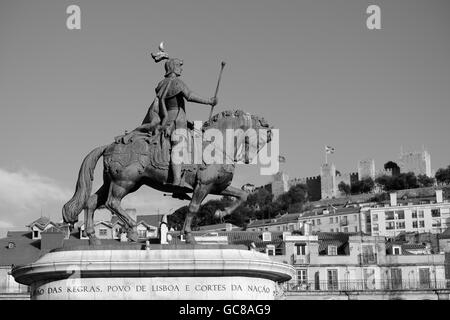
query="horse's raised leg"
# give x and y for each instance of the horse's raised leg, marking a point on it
(239, 194)
(199, 194)
(116, 194)
(96, 200)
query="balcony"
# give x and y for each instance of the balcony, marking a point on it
(367, 258)
(365, 285)
(301, 259)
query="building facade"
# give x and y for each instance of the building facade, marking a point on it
(411, 215)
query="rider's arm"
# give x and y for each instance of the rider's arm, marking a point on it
(192, 97)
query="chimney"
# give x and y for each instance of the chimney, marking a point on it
(393, 196)
(439, 196)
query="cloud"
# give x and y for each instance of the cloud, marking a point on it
(23, 194)
(5, 224)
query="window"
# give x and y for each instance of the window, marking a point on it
(336, 220)
(332, 250)
(435, 213)
(267, 236)
(422, 224)
(355, 217)
(436, 223)
(356, 229)
(301, 249)
(291, 227)
(415, 224)
(396, 250)
(400, 225)
(102, 232)
(331, 219)
(278, 228)
(35, 234)
(424, 277)
(270, 249)
(396, 278)
(389, 215)
(266, 229)
(142, 233)
(302, 276)
(331, 230)
(313, 222)
(414, 213)
(390, 226)
(375, 227)
(369, 279)
(400, 214)
(332, 279)
(318, 221)
(316, 281)
(375, 217)
(420, 213)
(345, 229)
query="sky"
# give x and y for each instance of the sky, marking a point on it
(311, 68)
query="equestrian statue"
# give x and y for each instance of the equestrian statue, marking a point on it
(145, 156)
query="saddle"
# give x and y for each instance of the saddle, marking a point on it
(148, 149)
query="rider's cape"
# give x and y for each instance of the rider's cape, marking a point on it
(166, 89)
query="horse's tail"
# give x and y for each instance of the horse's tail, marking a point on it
(74, 206)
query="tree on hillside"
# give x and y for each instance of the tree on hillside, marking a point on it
(425, 181)
(293, 200)
(364, 185)
(443, 175)
(344, 188)
(259, 199)
(400, 182)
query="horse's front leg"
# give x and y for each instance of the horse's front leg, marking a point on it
(199, 194)
(239, 194)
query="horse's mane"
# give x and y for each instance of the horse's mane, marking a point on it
(260, 121)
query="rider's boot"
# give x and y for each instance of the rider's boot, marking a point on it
(176, 169)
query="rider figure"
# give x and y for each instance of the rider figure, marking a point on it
(168, 110)
(171, 92)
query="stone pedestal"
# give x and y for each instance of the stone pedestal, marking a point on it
(160, 273)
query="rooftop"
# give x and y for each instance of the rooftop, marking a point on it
(25, 249)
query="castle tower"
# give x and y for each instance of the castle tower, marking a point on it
(417, 162)
(280, 184)
(366, 168)
(328, 184)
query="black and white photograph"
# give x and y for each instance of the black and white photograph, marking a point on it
(238, 152)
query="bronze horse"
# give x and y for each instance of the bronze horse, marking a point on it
(144, 160)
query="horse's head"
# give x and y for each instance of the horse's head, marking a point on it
(249, 133)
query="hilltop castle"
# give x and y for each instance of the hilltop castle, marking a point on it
(325, 185)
